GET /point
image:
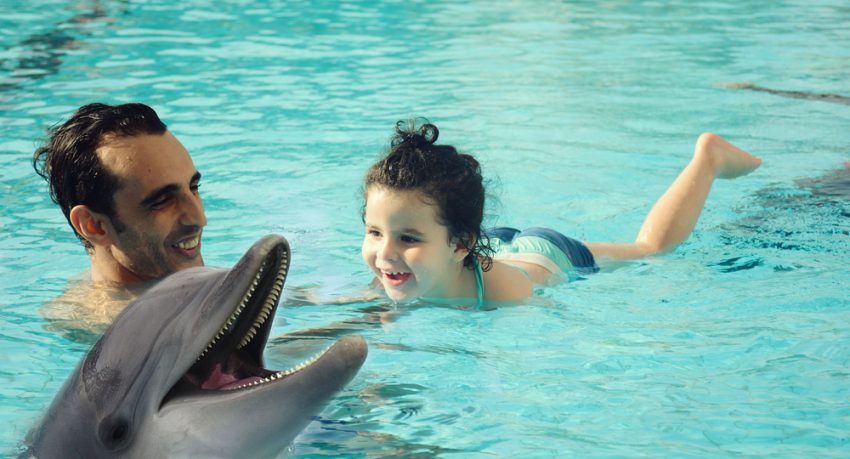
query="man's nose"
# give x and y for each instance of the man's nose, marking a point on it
(193, 211)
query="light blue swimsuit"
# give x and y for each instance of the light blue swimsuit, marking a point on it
(543, 246)
(479, 284)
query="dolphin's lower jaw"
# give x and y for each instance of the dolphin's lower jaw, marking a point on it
(259, 420)
(180, 372)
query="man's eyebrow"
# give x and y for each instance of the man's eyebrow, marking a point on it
(157, 194)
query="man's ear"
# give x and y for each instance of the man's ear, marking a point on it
(92, 226)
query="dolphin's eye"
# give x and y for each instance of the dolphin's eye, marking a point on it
(114, 432)
(118, 432)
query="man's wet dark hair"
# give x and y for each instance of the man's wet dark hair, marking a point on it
(448, 179)
(70, 164)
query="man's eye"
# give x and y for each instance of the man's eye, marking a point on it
(194, 186)
(160, 203)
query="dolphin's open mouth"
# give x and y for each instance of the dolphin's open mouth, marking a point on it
(233, 359)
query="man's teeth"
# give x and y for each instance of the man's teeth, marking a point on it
(188, 244)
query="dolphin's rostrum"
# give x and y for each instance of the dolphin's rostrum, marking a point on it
(180, 372)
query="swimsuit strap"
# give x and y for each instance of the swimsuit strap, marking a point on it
(479, 283)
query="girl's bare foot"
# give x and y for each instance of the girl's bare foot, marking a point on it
(727, 160)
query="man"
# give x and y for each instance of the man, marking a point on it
(129, 190)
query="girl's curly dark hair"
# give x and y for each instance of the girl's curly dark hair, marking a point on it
(450, 180)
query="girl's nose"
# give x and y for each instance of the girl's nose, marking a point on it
(387, 250)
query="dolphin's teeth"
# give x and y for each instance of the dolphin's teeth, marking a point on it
(304, 364)
(248, 337)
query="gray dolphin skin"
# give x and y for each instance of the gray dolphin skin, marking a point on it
(180, 372)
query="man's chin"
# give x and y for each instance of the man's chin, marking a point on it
(179, 265)
(194, 263)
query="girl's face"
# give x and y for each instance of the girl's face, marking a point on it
(408, 249)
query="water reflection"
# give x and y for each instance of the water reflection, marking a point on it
(42, 54)
(806, 217)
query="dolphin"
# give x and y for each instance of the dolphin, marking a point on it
(180, 372)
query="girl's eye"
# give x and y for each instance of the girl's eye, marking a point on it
(409, 239)
(373, 233)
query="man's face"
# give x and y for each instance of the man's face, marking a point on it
(159, 213)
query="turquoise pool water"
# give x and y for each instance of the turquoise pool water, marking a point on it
(737, 344)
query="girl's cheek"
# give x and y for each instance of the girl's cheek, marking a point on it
(366, 252)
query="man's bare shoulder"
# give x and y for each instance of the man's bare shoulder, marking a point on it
(85, 309)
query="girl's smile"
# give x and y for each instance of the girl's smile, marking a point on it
(397, 279)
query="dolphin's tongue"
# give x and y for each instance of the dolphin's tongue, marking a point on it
(220, 380)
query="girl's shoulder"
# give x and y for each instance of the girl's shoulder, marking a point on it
(503, 282)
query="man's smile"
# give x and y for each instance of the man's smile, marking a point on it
(189, 246)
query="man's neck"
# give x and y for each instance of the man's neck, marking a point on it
(105, 268)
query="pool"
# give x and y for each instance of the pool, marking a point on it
(737, 344)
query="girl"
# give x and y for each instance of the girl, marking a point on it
(424, 205)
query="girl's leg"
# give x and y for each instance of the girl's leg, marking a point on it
(674, 215)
